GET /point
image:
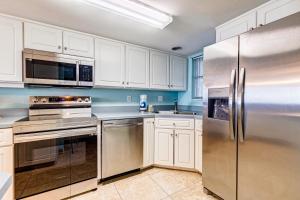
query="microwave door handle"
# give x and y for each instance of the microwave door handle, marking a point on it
(241, 114)
(232, 89)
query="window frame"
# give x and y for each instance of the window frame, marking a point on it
(197, 78)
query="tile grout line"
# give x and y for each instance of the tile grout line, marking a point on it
(159, 186)
(117, 191)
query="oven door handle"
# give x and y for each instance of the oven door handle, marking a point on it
(30, 137)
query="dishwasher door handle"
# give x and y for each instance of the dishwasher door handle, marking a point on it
(121, 125)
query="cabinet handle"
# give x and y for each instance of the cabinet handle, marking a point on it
(174, 124)
(66, 48)
(123, 82)
(59, 47)
(127, 83)
(176, 135)
(251, 29)
(260, 25)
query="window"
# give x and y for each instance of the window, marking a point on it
(197, 66)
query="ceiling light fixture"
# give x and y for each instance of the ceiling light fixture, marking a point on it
(134, 10)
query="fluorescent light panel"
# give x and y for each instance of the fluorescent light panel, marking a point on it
(135, 11)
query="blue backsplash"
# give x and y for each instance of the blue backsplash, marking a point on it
(18, 98)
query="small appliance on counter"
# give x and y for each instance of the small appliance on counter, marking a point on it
(143, 103)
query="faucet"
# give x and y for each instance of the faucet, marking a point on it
(176, 106)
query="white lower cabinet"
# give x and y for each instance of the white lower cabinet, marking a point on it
(198, 145)
(184, 148)
(164, 146)
(6, 162)
(198, 151)
(148, 152)
(174, 146)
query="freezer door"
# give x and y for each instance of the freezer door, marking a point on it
(269, 144)
(219, 121)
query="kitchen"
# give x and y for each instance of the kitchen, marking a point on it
(108, 99)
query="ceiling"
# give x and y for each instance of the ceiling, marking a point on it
(192, 28)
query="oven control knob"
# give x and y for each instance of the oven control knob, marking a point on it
(44, 100)
(79, 100)
(87, 100)
(35, 100)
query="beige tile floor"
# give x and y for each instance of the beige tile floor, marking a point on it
(151, 184)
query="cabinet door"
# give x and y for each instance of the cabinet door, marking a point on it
(236, 26)
(110, 63)
(6, 166)
(78, 44)
(149, 131)
(42, 38)
(198, 151)
(275, 10)
(137, 67)
(164, 141)
(178, 73)
(184, 148)
(11, 34)
(159, 70)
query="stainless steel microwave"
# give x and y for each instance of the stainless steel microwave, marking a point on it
(46, 68)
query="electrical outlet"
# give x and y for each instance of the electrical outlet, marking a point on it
(160, 98)
(129, 99)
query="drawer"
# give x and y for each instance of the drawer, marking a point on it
(6, 137)
(198, 124)
(178, 123)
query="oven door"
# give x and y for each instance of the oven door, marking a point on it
(46, 161)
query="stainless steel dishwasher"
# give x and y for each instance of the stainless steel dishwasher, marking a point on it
(122, 146)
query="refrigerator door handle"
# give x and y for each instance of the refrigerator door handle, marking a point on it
(241, 93)
(232, 104)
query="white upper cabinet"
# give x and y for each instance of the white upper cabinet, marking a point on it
(137, 67)
(110, 63)
(236, 26)
(275, 10)
(11, 40)
(184, 148)
(262, 15)
(148, 152)
(42, 38)
(78, 44)
(178, 73)
(159, 70)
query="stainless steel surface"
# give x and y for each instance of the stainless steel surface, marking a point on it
(122, 146)
(30, 54)
(30, 137)
(240, 100)
(232, 104)
(269, 157)
(65, 192)
(219, 150)
(263, 162)
(27, 126)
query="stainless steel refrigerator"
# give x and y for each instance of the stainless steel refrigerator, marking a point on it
(251, 123)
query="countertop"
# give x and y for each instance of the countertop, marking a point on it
(122, 115)
(7, 121)
(5, 182)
